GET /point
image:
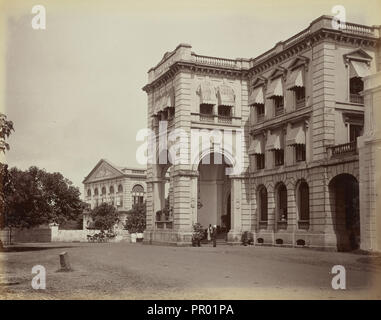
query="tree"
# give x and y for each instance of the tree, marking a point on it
(136, 218)
(35, 197)
(104, 217)
(6, 127)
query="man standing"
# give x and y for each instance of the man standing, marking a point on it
(214, 236)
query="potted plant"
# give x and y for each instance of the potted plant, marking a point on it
(198, 235)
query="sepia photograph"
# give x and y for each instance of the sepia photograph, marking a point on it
(190, 150)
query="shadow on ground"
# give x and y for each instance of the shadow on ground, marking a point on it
(26, 248)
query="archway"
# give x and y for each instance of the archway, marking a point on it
(213, 194)
(281, 203)
(344, 199)
(262, 204)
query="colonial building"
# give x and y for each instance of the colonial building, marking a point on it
(119, 186)
(293, 115)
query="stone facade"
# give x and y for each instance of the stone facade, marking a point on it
(294, 114)
(370, 161)
(120, 186)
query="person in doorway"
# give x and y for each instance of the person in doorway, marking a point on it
(214, 235)
(209, 233)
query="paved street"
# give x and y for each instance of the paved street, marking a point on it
(136, 271)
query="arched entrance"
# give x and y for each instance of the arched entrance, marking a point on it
(344, 196)
(214, 200)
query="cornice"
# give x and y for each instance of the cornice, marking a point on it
(293, 49)
(310, 40)
(195, 67)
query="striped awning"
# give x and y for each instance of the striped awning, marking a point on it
(296, 135)
(296, 79)
(163, 102)
(274, 141)
(226, 96)
(256, 146)
(257, 97)
(358, 69)
(207, 93)
(275, 89)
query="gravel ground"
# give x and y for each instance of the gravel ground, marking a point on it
(136, 271)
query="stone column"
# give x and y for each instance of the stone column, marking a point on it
(194, 190)
(234, 234)
(369, 146)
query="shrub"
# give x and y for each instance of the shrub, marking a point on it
(198, 232)
(104, 217)
(136, 219)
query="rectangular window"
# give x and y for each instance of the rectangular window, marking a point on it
(260, 112)
(279, 105)
(279, 157)
(260, 159)
(300, 152)
(206, 109)
(354, 132)
(300, 97)
(225, 111)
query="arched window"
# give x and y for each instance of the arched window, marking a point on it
(281, 198)
(120, 188)
(88, 192)
(137, 194)
(103, 190)
(112, 189)
(303, 201)
(96, 191)
(262, 203)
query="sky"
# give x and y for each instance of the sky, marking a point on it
(74, 90)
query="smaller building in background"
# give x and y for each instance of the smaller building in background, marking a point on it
(120, 186)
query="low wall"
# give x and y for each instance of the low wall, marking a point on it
(81, 235)
(54, 234)
(26, 235)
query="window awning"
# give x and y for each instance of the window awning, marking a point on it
(158, 104)
(274, 141)
(256, 97)
(296, 79)
(163, 102)
(207, 93)
(275, 89)
(226, 96)
(358, 69)
(296, 136)
(167, 102)
(256, 146)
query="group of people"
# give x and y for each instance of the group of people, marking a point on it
(212, 234)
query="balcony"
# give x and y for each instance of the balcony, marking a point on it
(260, 117)
(343, 149)
(300, 103)
(204, 117)
(356, 98)
(224, 119)
(279, 111)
